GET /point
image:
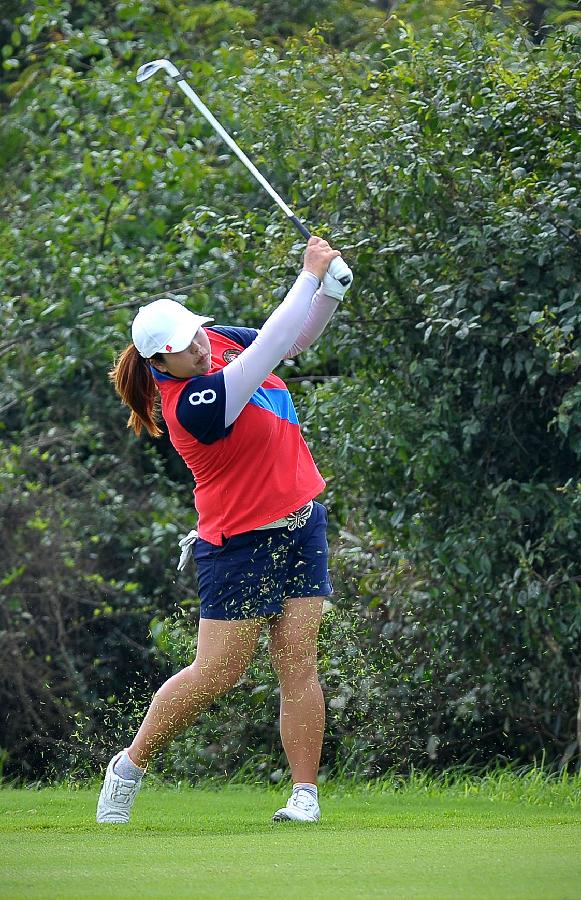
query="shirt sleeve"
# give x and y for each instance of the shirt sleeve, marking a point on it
(201, 408)
(244, 375)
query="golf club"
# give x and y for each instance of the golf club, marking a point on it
(340, 269)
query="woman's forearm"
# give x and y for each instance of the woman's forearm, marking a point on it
(318, 317)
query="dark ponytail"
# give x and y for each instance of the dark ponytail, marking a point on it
(134, 383)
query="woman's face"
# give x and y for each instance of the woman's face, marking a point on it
(194, 360)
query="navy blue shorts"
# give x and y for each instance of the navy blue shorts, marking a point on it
(252, 573)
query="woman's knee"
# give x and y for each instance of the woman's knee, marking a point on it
(292, 668)
(217, 675)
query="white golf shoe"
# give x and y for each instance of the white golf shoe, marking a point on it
(116, 797)
(301, 807)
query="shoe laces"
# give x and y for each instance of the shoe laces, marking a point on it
(122, 792)
(304, 800)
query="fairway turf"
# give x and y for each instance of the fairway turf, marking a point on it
(221, 844)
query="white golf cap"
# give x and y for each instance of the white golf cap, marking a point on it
(165, 326)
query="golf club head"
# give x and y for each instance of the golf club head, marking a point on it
(150, 68)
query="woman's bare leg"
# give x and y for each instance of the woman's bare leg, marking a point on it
(225, 648)
(293, 651)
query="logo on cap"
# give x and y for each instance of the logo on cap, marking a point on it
(168, 348)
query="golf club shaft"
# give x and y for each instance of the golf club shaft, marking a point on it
(201, 107)
(342, 273)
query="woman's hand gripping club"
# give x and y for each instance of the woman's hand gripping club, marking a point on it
(329, 267)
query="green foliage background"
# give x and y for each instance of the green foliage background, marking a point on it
(440, 152)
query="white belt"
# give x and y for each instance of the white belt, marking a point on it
(296, 519)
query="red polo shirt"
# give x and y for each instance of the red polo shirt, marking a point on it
(247, 474)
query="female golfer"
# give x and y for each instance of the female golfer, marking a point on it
(261, 549)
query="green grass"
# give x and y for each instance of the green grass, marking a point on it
(423, 838)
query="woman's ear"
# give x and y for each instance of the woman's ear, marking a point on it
(158, 364)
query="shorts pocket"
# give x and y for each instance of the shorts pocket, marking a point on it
(204, 550)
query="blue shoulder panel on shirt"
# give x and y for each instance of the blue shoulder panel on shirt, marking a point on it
(201, 409)
(242, 336)
(277, 401)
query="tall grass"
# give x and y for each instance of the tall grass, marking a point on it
(535, 784)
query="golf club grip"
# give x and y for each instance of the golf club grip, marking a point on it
(307, 234)
(300, 227)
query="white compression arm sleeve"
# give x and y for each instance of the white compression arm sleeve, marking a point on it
(244, 375)
(318, 317)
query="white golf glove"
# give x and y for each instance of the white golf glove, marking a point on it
(185, 546)
(337, 272)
